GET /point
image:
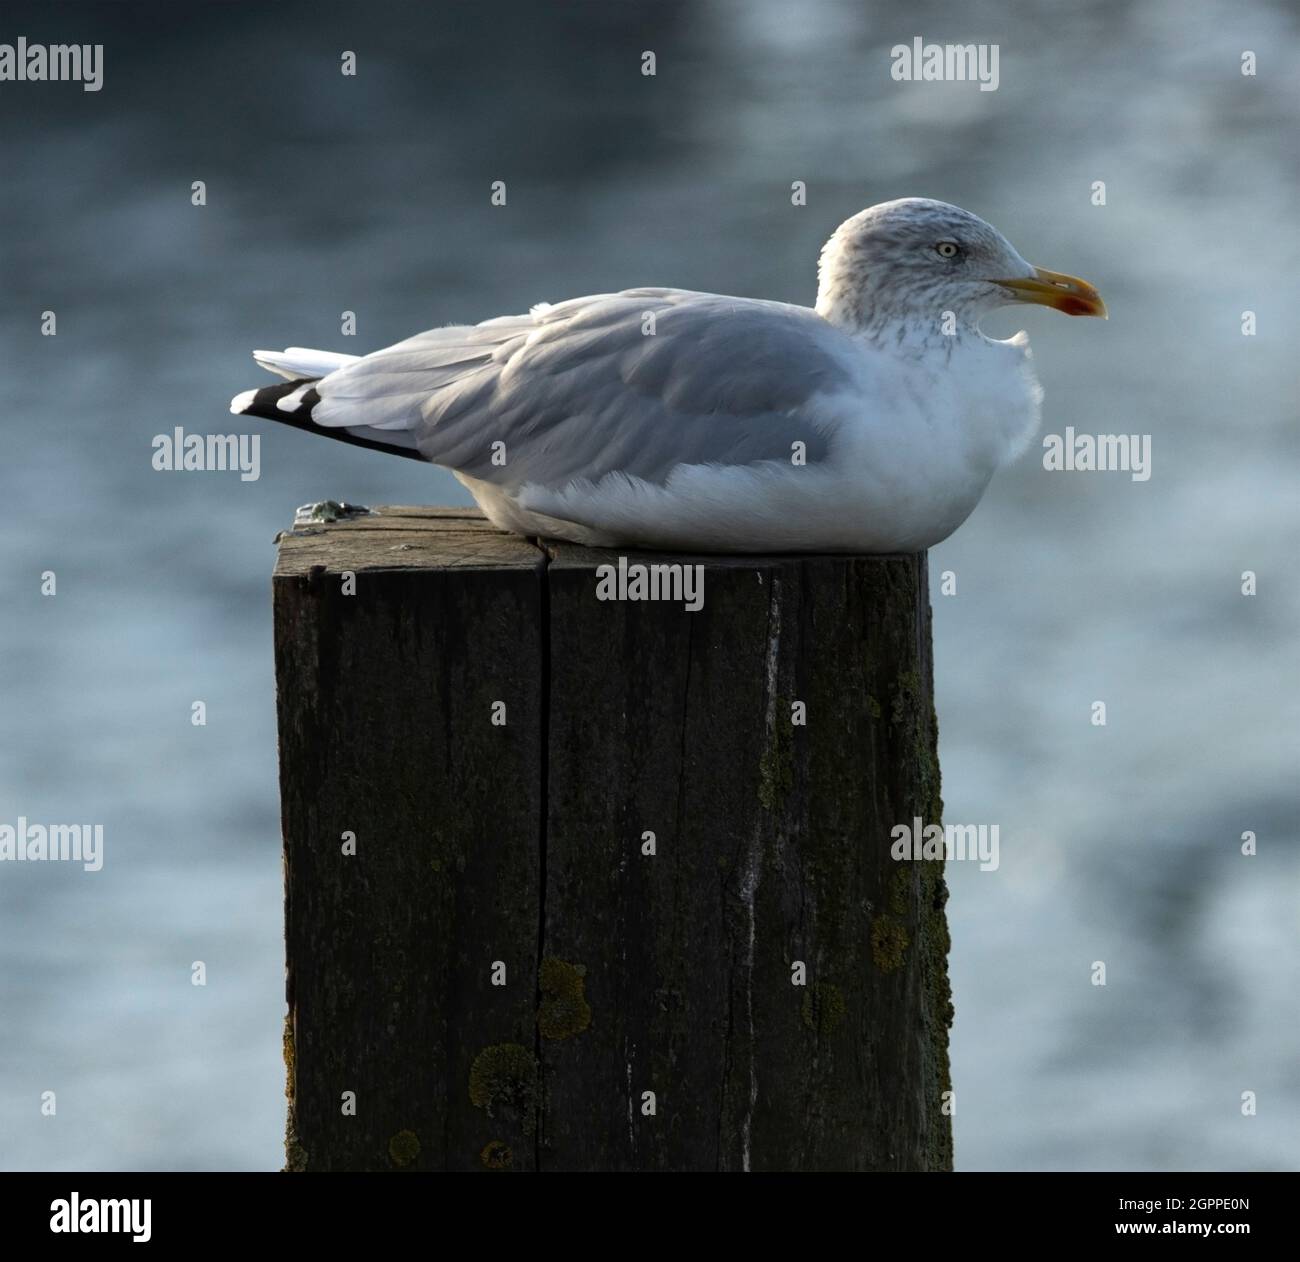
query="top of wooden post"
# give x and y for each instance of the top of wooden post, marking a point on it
(404, 537)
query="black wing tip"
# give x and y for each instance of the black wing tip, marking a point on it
(266, 401)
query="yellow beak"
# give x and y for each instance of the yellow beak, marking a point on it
(1055, 289)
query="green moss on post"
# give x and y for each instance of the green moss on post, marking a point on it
(504, 1075)
(403, 1148)
(564, 1009)
(497, 1156)
(775, 770)
(823, 1007)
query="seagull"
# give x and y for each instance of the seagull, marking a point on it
(675, 420)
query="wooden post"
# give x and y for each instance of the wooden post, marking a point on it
(621, 895)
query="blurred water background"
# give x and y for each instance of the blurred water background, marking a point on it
(370, 194)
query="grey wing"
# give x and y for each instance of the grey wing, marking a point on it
(636, 383)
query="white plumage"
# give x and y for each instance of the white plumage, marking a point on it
(672, 419)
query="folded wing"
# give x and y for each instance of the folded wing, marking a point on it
(635, 383)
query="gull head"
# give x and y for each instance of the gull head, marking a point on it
(910, 261)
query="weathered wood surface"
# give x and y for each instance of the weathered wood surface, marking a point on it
(384, 701)
(626, 973)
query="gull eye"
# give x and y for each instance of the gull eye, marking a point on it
(947, 249)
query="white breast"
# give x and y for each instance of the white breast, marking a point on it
(915, 440)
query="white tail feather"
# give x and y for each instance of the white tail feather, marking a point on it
(300, 361)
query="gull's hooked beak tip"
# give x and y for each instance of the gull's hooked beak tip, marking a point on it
(1055, 289)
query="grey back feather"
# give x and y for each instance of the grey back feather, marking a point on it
(581, 390)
